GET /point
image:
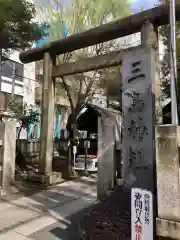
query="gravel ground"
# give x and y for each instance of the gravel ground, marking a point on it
(109, 219)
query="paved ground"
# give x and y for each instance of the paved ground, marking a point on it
(48, 215)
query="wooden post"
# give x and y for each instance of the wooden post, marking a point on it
(47, 117)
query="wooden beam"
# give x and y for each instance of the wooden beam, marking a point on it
(88, 64)
(119, 28)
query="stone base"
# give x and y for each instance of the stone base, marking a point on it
(73, 175)
(86, 174)
(48, 179)
(168, 229)
(8, 191)
(119, 182)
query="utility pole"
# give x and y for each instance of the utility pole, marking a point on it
(2, 100)
(173, 64)
(1, 105)
(13, 81)
(0, 67)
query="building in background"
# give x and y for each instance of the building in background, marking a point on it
(17, 81)
(62, 107)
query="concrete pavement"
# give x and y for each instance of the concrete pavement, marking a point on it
(48, 215)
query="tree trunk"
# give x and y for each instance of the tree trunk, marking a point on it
(107, 101)
(72, 133)
(19, 132)
(20, 158)
(70, 123)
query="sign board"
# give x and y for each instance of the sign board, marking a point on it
(141, 214)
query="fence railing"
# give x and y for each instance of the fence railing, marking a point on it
(31, 147)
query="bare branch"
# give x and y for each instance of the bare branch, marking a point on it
(80, 91)
(81, 16)
(88, 89)
(90, 95)
(66, 87)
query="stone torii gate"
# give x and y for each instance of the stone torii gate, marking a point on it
(141, 95)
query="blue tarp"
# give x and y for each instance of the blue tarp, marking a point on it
(46, 39)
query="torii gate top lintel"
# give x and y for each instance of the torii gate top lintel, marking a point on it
(122, 27)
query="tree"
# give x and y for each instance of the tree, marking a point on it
(164, 33)
(80, 16)
(110, 81)
(25, 116)
(18, 28)
(23, 113)
(165, 37)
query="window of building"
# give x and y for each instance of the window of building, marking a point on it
(5, 99)
(39, 77)
(7, 68)
(17, 99)
(19, 71)
(12, 69)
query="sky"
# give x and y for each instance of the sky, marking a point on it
(138, 4)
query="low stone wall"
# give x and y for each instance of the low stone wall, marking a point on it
(168, 181)
(30, 148)
(167, 165)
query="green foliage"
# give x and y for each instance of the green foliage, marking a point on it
(165, 37)
(23, 113)
(142, 9)
(17, 26)
(110, 81)
(81, 15)
(164, 33)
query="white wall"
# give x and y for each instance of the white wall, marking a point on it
(29, 83)
(161, 50)
(99, 100)
(26, 88)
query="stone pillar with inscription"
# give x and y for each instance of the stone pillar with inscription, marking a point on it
(141, 101)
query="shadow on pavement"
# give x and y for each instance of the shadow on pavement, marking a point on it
(72, 231)
(60, 203)
(107, 220)
(110, 218)
(63, 229)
